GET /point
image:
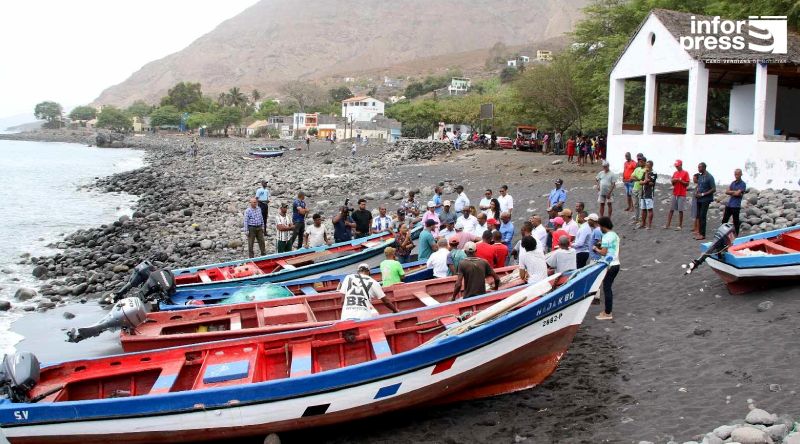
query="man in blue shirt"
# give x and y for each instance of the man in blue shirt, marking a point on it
(706, 187)
(583, 240)
(437, 200)
(299, 212)
(254, 227)
(262, 194)
(507, 231)
(558, 197)
(736, 190)
(427, 244)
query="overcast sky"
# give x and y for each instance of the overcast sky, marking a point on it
(69, 51)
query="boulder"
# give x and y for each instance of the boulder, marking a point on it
(5, 305)
(206, 244)
(777, 432)
(764, 306)
(24, 294)
(759, 416)
(750, 435)
(39, 271)
(120, 268)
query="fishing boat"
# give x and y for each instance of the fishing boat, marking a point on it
(176, 328)
(192, 297)
(285, 266)
(263, 154)
(457, 351)
(757, 261)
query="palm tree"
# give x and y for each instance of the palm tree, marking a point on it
(236, 97)
(223, 99)
(256, 95)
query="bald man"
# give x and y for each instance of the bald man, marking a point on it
(736, 190)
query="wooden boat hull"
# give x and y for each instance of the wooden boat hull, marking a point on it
(514, 352)
(266, 154)
(308, 261)
(184, 299)
(777, 261)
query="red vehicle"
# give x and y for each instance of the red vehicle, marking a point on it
(526, 139)
(505, 142)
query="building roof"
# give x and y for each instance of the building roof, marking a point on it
(258, 124)
(679, 24)
(359, 99)
(379, 122)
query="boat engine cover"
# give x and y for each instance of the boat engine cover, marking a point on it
(19, 372)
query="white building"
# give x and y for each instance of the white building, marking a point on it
(524, 59)
(458, 85)
(512, 63)
(303, 122)
(762, 130)
(362, 108)
(543, 55)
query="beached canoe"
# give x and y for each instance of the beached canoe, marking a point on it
(190, 298)
(285, 266)
(307, 378)
(266, 153)
(758, 260)
(176, 328)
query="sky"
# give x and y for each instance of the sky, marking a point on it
(69, 51)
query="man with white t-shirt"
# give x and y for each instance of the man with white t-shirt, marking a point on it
(539, 234)
(467, 220)
(359, 289)
(462, 201)
(506, 201)
(532, 265)
(480, 227)
(316, 235)
(485, 202)
(570, 226)
(438, 260)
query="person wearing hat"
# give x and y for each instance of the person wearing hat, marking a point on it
(680, 182)
(468, 221)
(583, 241)
(262, 194)
(359, 290)
(455, 257)
(399, 220)
(382, 222)
(637, 176)
(316, 235)
(606, 182)
(447, 213)
(254, 227)
(570, 226)
(363, 219)
(427, 241)
(558, 231)
(558, 196)
(627, 170)
(463, 236)
(283, 229)
(462, 201)
(430, 214)
(472, 274)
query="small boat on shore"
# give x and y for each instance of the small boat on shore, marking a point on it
(757, 261)
(204, 324)
(284, 266)
(266, 153)
(484, 346)
(190, 298)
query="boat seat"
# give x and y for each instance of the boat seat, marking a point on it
(380, 346)
(426, 299)
(371, 244)
(167, 377)
(773, 248)
(285, 265)
(236, 321)
(308, 290)
(791, 239)
(449, 321)
(287, 314)
(204, 277)
(301, 360)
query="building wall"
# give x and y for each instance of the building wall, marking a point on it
(641, 57)
(764, 164)
(363, 113)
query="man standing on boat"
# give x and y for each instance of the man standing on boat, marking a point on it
(262, 194)
(299, 212)
(283, 229)
(735, 191)
(472, 273)
(359, 289)
(254, 227)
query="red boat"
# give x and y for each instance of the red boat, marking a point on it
(176, 328)
(272, 383)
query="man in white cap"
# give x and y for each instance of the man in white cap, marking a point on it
(359, 289)
(606, 182)
(472, 273)
(463, 236)
(430, 214)
(583, 241)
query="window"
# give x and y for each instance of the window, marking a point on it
(652, 38)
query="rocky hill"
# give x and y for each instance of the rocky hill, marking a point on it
(279, 40)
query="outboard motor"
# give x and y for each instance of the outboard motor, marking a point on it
(19, 373)
(126, 314)
(723, 238)
(159, 285)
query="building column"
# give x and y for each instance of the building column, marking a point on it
(649, 103)
(698, 99)
(760, 105)
(616, 105)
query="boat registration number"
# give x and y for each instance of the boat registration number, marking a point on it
(20, 415)
(552, 319)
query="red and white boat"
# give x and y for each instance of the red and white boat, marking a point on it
(313, 377)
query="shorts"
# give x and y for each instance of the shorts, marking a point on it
(646, 204)
(603, 199)
(694, 209)
(628, 188)
(678, 203)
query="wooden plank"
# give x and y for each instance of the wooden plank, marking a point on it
(379, 343)
(167, 377)
(204, 277)
(285, 265)
(236, 321)
(301, 360)
(426, 299)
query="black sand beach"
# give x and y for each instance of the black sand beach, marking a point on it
(680, 357)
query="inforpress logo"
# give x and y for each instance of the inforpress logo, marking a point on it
(759, 33)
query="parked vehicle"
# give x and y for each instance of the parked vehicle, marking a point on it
(526, 139)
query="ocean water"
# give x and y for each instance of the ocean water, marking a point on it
(42, 199)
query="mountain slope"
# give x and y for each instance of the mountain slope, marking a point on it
(279, 40)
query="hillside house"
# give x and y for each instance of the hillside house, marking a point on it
(458, 85)
(254, 128)
(761, 131)
(511, 63)
(303, 122)
(380, 128)
(361, 108)
(544, 55)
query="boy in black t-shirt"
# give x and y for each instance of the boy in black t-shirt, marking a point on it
(648, 189)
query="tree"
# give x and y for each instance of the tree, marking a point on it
(236, 97)
(167, 115)
(183, 95)
(84, 112)
(139, 109)
(305, 94)
(208, 120)
(340, 93)
(228, 116)
(255, 95)
(114, 119)
(50, 111)
(508, 74)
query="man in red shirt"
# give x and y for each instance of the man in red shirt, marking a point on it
(559, 231)
(680, 180)
(628, 168)
(500, 250)
(485, 250)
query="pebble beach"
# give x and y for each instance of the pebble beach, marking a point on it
(681, 358)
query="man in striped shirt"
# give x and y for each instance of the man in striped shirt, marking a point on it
(382, 222)
(254, 227)
(283, 229)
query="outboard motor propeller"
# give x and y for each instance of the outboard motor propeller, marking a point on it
(723, 239)
(19, 373)
(126, 314)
